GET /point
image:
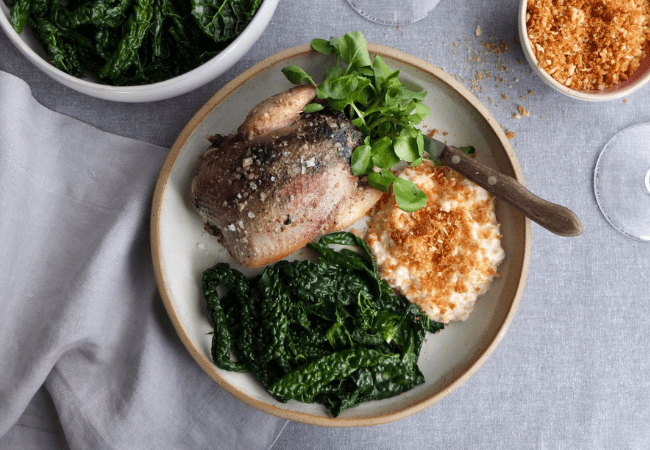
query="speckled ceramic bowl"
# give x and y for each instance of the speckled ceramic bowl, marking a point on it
(32, 50)
(636, 81)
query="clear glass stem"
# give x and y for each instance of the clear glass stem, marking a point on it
(393, 12)
(622, 182)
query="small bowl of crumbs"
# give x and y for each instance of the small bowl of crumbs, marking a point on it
(592, 50)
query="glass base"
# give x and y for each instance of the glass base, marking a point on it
(393, 12)
(622, 182)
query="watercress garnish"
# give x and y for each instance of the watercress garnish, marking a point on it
(370, 93)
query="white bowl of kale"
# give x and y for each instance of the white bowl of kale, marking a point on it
(135, 50)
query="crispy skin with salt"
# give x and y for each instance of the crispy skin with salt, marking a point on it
(281, 180)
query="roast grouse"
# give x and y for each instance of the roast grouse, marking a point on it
(281, 180)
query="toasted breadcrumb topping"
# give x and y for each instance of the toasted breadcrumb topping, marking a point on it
(589, 44)
(443, 256)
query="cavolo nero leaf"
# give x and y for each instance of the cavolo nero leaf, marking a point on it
(126, 54)
(329, 331)
(223, 20)
(132, 42)
(19, 15)
(114, 16)
(92, 11)
(52, 40)
(386, 111)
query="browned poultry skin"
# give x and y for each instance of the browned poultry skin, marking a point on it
(281, 180)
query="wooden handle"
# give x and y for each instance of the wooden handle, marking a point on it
(555, 218)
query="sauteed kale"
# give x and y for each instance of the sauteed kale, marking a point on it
(132, 42)
(330, 331)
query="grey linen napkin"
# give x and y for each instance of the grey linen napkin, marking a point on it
(79, 306)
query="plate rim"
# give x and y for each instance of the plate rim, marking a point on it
(207, 365)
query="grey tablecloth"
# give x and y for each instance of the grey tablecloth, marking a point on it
(80, 314)
(572, 370)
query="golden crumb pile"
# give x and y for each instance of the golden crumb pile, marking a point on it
(589, 44)
(443, 247)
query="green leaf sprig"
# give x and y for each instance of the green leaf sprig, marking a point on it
(370, 93)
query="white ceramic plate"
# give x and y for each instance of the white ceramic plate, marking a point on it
(182, 250)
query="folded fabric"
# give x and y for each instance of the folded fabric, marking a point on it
(79, 306)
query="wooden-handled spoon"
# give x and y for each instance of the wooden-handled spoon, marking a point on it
(555, 218)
